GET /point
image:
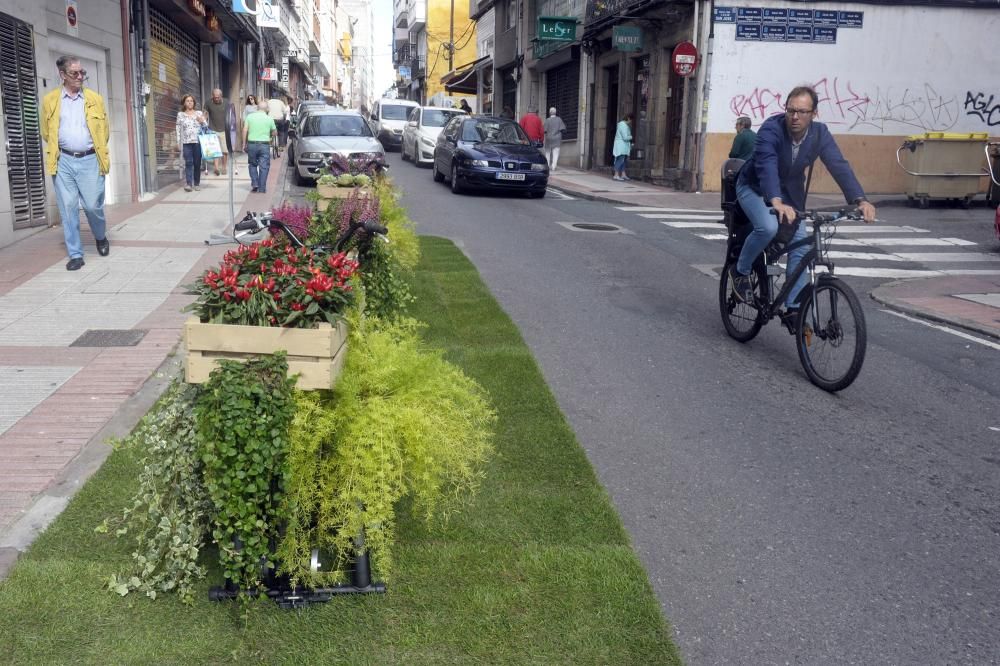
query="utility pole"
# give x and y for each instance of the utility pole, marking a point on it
(451, 40)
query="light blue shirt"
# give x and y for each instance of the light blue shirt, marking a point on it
(73, 132)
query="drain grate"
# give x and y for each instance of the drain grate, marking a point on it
(589, 226)
(110, 338)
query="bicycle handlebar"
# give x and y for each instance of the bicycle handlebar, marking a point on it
(256, 222)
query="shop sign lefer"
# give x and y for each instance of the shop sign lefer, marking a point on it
(557, 28)
(212, 21)
(684, 59)
(197, 6)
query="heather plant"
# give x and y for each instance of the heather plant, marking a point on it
(296, 218)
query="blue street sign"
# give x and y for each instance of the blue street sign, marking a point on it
(773, 33)
(851, 19)
(725, 15)
(824, 17)
(800, 17)
(775, 16)
(747, 33)
(799, 33)
(824, 35)
(749, 15)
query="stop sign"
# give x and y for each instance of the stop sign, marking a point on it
(684, 59)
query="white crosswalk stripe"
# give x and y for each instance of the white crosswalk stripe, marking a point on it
(858, 249)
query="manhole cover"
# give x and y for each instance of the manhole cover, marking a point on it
(110, 338)
(587, 226)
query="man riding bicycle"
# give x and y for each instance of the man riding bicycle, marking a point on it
(774, 179)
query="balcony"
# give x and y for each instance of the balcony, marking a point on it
(416, 11)
(402, 20)
(479, 7)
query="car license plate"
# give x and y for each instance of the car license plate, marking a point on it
(501, 175)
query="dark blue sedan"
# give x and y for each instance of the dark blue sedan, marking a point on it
(489, 153)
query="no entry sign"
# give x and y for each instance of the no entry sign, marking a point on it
(684, 59)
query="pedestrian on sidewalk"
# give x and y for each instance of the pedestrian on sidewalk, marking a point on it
(216, 109)
(250, 106)
(259, 131)
(554, 128)
(622, 147)
(464, 105)
(278, 111)
(743, 142)
(189, 123)
(533, 127)
(75, 131)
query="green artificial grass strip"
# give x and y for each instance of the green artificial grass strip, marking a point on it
(536, 568)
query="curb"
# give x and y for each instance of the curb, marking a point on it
(929, 315)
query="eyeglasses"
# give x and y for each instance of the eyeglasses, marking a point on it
(798, 112)
(78, 74)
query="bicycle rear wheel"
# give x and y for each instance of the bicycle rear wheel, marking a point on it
(831, 336)
(742, 320)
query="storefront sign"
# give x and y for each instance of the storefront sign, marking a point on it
(557, 28)
(267, 16)
(684, 59)
(72, 19)
(626, 38)
(284, 69)
(197, 6)
(268, 74)
(212, 22)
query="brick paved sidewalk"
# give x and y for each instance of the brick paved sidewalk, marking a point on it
(61, 394)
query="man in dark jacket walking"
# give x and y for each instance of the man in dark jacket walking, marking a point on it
(774, 178)
(745, 137)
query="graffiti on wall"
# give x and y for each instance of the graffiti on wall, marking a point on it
(889, 109)
(983, 107)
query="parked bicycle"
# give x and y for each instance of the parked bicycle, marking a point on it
(829, 325)
(252, 226)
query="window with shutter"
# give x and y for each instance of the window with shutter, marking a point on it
(22, 118)
(562, 90)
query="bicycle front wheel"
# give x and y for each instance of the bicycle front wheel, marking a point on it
(831, 336)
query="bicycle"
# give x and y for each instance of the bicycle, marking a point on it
(250, 228)
(830, 323)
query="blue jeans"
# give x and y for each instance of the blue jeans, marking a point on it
(259, 162)
(765, 227)
(192, 164)
(621, 161)
(79, 180)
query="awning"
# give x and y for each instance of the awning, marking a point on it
(465, 79)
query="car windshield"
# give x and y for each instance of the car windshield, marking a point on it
(395, 111)
(495, 131)
(439, 118)
(316, 125)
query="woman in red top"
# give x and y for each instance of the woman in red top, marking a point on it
(532, 126)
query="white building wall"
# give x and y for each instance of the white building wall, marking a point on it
(907, 70)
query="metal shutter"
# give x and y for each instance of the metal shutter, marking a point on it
(562, 90)
(21, 113)
(175, 73)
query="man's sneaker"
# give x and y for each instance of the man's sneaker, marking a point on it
(790, 318)
(741, 285)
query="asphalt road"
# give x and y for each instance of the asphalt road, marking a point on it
(778, 523)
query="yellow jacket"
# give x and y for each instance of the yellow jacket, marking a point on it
(97, 123)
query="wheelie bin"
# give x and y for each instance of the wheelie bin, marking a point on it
(943, 165)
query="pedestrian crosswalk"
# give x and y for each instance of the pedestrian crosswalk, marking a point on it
(876, 251)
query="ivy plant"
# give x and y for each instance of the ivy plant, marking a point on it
(168, 516)
(242, 420)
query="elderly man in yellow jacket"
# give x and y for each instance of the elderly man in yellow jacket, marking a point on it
(75, 130)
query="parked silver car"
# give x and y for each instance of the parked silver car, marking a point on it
(421, 132)
(324, 133)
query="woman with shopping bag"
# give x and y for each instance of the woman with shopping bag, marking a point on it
(190, 122)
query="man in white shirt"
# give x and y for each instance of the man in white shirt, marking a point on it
(278, 111)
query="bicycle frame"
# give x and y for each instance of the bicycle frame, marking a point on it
(809, 262)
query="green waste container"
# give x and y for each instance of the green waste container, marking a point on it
(943, 165)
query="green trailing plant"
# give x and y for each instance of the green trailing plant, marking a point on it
(401, 422)
(405, 246)
(386, 290)
(168, 517)
(242, 419)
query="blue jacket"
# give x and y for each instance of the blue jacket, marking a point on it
(772, 173)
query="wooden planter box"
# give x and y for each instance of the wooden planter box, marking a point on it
(335, 192)
(317, 355)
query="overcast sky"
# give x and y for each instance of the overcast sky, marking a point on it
(384, 73)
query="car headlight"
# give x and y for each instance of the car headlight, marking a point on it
(427, 142)
(477, 163)
(539, 167)
(311, 156)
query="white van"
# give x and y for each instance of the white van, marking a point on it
(389, 119)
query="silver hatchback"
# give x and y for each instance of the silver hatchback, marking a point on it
(322, 134)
